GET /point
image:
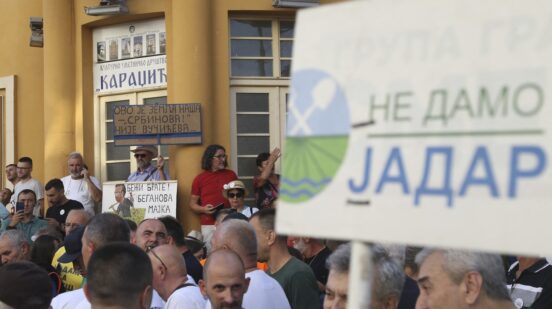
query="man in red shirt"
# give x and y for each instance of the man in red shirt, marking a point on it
(207, 189)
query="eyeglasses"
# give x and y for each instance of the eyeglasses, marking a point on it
(23, 168)
(150, 250)
(235, 195)
(220, 157)
(140, 155)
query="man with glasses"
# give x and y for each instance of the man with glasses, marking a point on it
(170, 279)
(207, 188)
(26, 181)
(146, 171)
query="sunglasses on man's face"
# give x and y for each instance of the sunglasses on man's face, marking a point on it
(140, 155)
(235, 195)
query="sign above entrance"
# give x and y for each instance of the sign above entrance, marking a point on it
(158, 124)
(130, 56)
(431, 131)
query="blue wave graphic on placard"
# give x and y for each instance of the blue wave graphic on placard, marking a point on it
(297, 194)
(308, 181)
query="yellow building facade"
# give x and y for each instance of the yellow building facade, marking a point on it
(231, 56)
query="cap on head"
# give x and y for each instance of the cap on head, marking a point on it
(148, 148)
(73, 245)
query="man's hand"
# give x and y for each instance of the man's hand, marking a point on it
(208, 209)
(84, 173)
(17, 217)
(160, 163)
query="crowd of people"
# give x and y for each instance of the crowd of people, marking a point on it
(69, 255)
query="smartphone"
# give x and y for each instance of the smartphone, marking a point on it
(19, 206)
(219, 207)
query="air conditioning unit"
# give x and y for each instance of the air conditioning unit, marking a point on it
(294, 3)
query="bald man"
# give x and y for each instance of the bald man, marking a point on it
(150, 234)
(264, 291)
(170, 279)
(71, 278)
(224, 281)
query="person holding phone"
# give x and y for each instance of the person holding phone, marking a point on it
(23, 219)
(80, 185)
(207, 188)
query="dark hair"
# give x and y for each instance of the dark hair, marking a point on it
(26, 191)
(235, 216)
(174, 229)
(122, 185)
(106, 228)
(43, 250)
(55, 183)
(25, 286)
(261, 157)
(267, 219)
(118, 273)
(26, 160)
(131, 225)
(208, 154)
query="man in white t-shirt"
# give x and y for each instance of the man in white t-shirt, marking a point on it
(264, 291)
(79, 185)
(26, 181)
(170, 279)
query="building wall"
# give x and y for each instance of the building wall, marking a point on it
(55, 102)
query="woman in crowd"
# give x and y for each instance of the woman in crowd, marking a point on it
(236, 192)
(266, 184)
(207, 188)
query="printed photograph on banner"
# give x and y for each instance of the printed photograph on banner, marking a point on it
(100, 46)
(113, 50)
(125, 48)
(150, 44)
(137, 46)
(162, 43)
(140, 200)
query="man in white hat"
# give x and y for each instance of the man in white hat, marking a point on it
(146, 171)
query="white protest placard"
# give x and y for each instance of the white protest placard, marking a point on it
(140, 200)
(422, 122)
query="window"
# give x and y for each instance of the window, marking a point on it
(260, 57)
(117, 162)
(261, 48)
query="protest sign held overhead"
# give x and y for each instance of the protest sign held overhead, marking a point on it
(140, 200)
(157, 124)
(434, 130)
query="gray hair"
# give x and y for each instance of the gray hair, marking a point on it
(339, 260)
(388, 274)
(75, 155)
(239, 234)
(106, 228)
(457, 263)
(16, 237)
